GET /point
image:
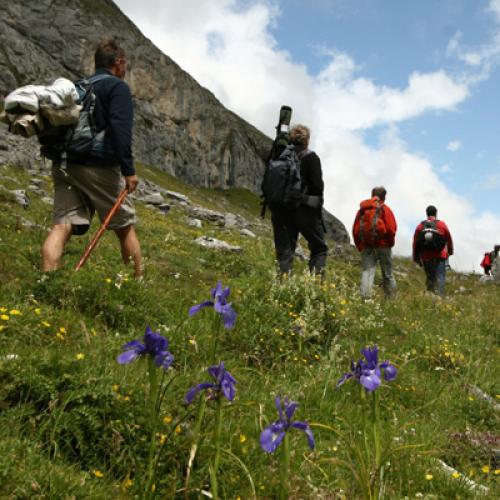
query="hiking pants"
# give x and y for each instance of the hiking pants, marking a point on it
(435, 271)
(287, 224)
(369, 259)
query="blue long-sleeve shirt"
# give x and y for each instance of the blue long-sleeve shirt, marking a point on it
(115, 113)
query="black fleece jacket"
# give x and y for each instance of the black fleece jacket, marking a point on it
(115, 113)
(311, 175)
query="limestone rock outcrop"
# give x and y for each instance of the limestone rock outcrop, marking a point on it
(180, 127)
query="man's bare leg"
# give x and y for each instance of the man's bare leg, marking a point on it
(131, 248)
(53, 246)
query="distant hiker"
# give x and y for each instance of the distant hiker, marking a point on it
(374, 232)
(92, 183)
(486, 263)
(432, 245)
(293, 189)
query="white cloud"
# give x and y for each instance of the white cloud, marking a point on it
(231, 51)
(445, 169)
(454, 145)
(490, 183)
(486, 56)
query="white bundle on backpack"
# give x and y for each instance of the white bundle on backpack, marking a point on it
(61, 94)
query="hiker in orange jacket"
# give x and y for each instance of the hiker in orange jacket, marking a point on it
(432, 245)
(374, 232)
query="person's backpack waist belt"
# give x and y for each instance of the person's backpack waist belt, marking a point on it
(311, 201)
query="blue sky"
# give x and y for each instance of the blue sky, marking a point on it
(392, 38)
(396, 92)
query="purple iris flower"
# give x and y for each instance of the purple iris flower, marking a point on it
(154, 344)
(369, 372)
(224, 383)
(219, 303)
(273, 434)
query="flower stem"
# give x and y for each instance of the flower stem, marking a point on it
(196, 439)
(376, 428)
(217, 324)
(217, 440)
(376, 440)
(285, 467)
(153, 417)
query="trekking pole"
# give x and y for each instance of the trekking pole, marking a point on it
(103, 227)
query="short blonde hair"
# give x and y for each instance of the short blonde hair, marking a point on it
(300, 134)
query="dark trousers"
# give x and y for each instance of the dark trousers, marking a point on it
(435, 272)
(287, 224)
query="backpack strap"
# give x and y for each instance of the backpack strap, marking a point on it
(99, 77)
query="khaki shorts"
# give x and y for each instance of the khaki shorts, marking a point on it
(81, 190)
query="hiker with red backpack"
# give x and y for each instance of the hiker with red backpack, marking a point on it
(374, 233)
(432, 245)
(486, 263)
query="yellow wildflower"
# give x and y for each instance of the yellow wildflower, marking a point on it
(455, 475)
(38, 310)
(15, 312)
(192, 341)
(485, 469)
(80, 356)
(108, 280)
(97, 473)
(178, 429)
(127, 483)
(163, 438)
(243, 438)
(60, 336)
(126, 398)
(167, 419)
(4, 317)
(429, 477)
(45, 323)
(3, 309)
(2, 327)
(115, 387)
(496, 472)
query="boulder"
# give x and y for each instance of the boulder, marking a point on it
(215, 244)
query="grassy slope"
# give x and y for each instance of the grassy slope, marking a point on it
(65, 421)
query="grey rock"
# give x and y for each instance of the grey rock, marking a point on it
(247, 232)
(153, 199)
(21, 197)
(173, 195)
(215, 244)
(301, 253)
(48, 200)
(164, 207)
(195, 223)
(334, 228)
(179, 126)
(198, 212)
(232, 220)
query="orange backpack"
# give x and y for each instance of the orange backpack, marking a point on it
(371, 225)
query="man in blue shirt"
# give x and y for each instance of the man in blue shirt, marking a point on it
(93, 183)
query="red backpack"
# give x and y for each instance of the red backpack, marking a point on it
(372, 227)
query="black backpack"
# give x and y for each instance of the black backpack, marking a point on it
(429, 238)
(281, 184)
(81, 140)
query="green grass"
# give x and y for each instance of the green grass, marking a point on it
(73, 423)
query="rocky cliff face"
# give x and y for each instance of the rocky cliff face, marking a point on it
(180, 127)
